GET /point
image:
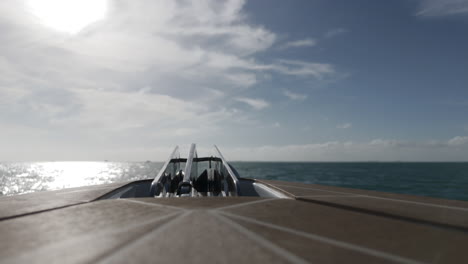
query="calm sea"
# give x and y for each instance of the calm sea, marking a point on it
(444, 180)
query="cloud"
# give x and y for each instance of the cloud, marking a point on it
(374, 150)
(458, 141)
(442, 8)
(344, 126)
(300, 68)
(144, 75)
(294, 96)
(151, 37)
(335, 32)
(258, 104)
(308, 42)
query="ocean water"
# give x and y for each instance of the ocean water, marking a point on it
(435, 179)
(443, 180)
(25, 177)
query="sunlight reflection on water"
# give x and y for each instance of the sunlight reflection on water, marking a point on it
(17, 178)
(443, 180)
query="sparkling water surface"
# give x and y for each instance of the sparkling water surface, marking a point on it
(18, 178)
(443, 180)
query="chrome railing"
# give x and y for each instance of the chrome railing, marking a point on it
(218, 179)
(170, 168)
(186, 186)
(232, 177)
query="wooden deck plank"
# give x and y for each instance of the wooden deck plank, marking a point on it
(303, 189)
(200, 202)
(444, 216)
(333, 225)
(196, 237)
(425, 209)
(77, 234)
(311, 250)
(397, 237)
(11, 206)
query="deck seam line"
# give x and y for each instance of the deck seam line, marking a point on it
(244, 204)
(129, 228)
(259, 239)
(159, 229)
(147, 222)
(86, 190)
(327, 195)
(327, 240)
(108, 232)
(383, 198)
(394, 216)
(40, 211)
(152, 204)
(276, 188)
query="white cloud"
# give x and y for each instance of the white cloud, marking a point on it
(308, 42)
(206, 43)
(121, 110)
(442, 7)
(295, 96)
(335, 32)
(374, 150)
(162, 36)
(149, 74)
(344, 126)
(258, 104)
(300, 68)
(458, 141)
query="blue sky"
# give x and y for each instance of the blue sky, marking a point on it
(265, 79)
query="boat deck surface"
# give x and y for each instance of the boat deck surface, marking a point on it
(320, 224)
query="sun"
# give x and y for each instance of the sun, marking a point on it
(68, 16)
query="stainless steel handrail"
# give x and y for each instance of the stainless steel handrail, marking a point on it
(163, 170)
(161, 185)
(229, 170)
(186, 186)
(188, 165)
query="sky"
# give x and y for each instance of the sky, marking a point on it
(265, 80)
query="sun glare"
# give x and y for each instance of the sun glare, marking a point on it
(69, 16)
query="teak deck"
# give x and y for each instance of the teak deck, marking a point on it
(320, 224)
